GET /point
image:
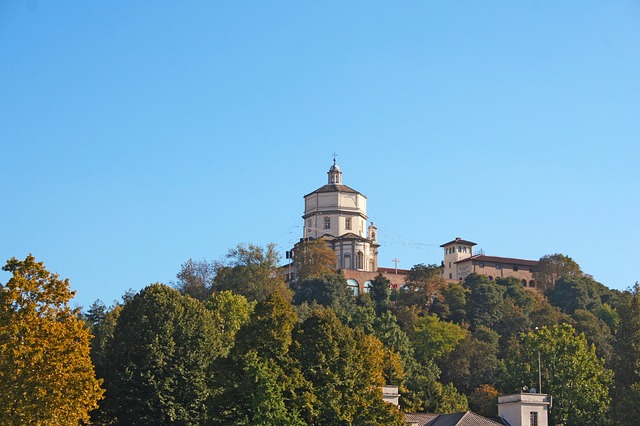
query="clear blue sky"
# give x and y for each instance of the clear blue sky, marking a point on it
(137, 135)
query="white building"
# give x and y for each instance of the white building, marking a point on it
(525, 409)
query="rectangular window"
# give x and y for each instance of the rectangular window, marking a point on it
(498, 266)
(515, 268)
(482, 264)
(327, 223)
(533, 418)
(347, 223)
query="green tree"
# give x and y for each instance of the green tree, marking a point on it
(513, 321)
(452, 305)
(544, 314)
(572, 292)
(229, 312)
(387, 330)
(96, 313)
(196, 279)
(159, 359)
(484, 400)
(609, 316)
(251, 271)
(596, 331)
(363, 314)
(313, 259)
(424, 393)
(345, 370)
(102, 337)
(329, 291)
(380, 293)
(260, 383)
(553, 266)
(433, 339)
(422, 284)
(484, 302)
(571, 373)
(514, 290)
(46, 375)
(626, 358)
(473, 362)
(451, 400)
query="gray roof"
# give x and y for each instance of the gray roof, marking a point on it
(421, 419)
(457, 419)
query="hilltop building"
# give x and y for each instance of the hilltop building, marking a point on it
(459, 261)
(337, 214)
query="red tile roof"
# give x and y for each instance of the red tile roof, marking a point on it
(496, 259)
(393, 271)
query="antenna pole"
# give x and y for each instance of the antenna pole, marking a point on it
(539, 373)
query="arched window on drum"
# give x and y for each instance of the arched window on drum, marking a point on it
(354, 286)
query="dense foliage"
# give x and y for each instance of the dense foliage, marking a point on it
(230, 344)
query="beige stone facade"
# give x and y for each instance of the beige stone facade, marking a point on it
(460, 261)
(338, 214)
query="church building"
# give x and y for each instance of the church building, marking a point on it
(337, 214)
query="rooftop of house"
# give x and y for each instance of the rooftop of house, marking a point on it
(458, 240)
(467, 418)
(334, 187)
(496, 259)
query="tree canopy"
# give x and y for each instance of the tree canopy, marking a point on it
(159, 359)
(46, 374)
(252, 271)
(230, 347)
(313, 259)
(553, 266)
(626, 359)
(571, 373)
(345, 371)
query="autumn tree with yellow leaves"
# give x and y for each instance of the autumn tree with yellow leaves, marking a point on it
(46, 374)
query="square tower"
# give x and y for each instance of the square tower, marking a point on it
(525, 409)
(454, 251)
